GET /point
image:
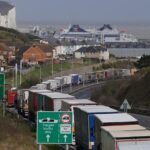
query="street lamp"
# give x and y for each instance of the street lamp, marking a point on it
(40, 74)
(61, 74)
(20, 72)
(52, 66)
(16, 74)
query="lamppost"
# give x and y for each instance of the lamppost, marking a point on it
(20, 72)
(71, 72)
(61, 74)
(40, 75)
(16, 74)
(52, 66)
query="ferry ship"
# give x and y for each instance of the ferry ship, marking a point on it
(109, 34)
(75, 32)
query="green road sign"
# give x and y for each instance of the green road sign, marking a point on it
(54, 127)
(2, 85)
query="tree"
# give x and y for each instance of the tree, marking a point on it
(30, 82)
(143, 62)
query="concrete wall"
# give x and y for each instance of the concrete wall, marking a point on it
(79, 55)
(63, 50)
(97, 55)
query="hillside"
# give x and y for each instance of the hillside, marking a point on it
(136, 90)
(13, 37)
(16, 134)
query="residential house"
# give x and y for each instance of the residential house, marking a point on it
(38, 53)
(4, 51)
(19, 53)
(92, 52)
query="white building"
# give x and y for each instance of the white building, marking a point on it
(64, 50)
(7, 15)
(93, 52)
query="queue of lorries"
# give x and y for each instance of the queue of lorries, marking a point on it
(72, 80)
(95, 127)
(76, 79)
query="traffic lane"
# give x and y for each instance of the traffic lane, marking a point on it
(72, 89)
(86, 93)
(143, 120)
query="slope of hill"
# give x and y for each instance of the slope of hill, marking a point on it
(136, 90)
(15, 134)
(13, 37)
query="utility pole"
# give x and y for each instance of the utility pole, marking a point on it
(16, 74)
(61, 75)
(40, 74)
(52, 66)
(71, 73)
(20, 72)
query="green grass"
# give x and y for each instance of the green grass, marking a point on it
(46, 71)
(136, 90)
(119, 64)
(15, 37)
(16, 134)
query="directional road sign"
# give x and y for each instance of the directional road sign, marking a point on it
(2, 85)
(54, 127)
(125, 105)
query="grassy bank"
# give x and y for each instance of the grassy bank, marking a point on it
(14, 37)
(125, 64)
(136, 90)
(15, 134)
(45, 71)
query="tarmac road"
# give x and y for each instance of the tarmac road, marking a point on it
(86, 94)
(143, 120)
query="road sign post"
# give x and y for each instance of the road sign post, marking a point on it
(54, 127)
(125, 106)
(4, 107)
(40, 147)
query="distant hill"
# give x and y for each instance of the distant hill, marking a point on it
(136, 90)
(14, 37)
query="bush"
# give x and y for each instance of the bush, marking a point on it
(143, 62)
(30, 82)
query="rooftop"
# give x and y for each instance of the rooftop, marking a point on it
(135, 145)
(122, 128)
(116, 118)
(76, 28)
(46, 47)
(96, 109)
(5, 7)
(79, 101)
(129, 134)
(57, 95)
(106, 26)
(91, 49)
(39, 91)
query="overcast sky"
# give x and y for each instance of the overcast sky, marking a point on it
(83, 11)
